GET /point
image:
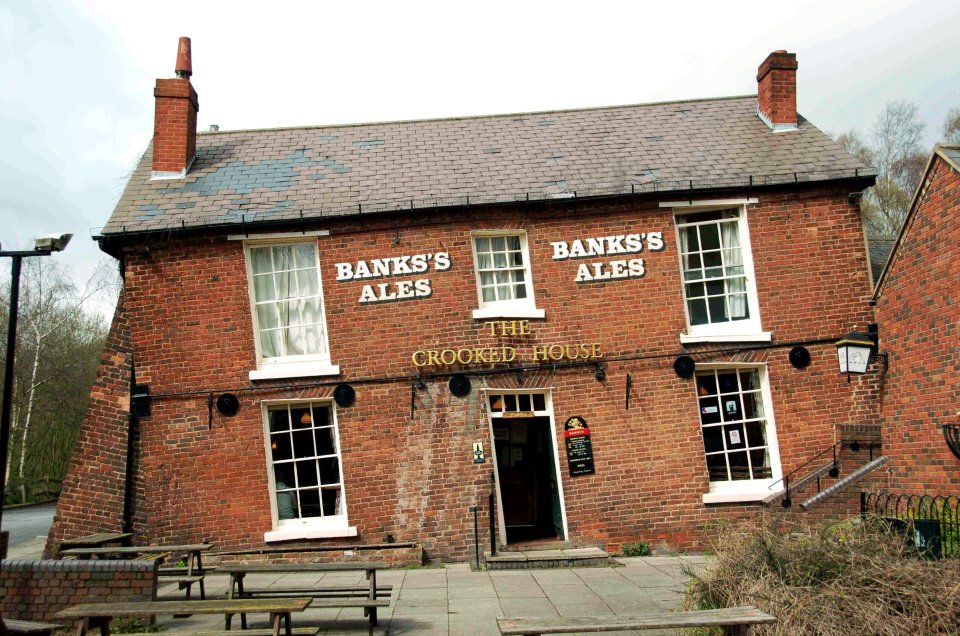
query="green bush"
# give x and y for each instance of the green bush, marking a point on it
(638, 549)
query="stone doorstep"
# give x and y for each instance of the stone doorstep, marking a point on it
(574, 557)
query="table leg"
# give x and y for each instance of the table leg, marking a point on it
(372, 575)
(82, 626)
(243, 616)
(203, 593)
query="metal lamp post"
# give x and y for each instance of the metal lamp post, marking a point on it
(43, 247)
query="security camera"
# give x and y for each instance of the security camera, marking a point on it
(52, 242)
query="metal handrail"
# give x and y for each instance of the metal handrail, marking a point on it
(854, 445)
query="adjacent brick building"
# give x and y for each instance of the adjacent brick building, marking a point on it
(413, 315)
(918, 311)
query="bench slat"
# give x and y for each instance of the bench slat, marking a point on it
(297, 631)
(350, 602)
(15, 626)
(219, 606)
(729, 616)
(382, 590)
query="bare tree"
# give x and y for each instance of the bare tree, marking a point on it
(951, 127)
(57, 351)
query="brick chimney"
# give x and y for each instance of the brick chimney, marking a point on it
(777, 91)
(175, 120)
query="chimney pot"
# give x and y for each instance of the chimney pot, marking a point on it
(184, 63)
(777, 91)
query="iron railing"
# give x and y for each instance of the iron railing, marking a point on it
(930, 522)
(853, 444)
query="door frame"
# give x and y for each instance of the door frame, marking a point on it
(548, 413)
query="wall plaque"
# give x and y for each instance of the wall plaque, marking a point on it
(579, 451)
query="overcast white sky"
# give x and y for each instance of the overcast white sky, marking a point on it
(76, 77)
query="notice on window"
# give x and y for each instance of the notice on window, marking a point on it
(734, 437)
(576, 435)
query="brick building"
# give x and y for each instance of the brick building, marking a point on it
(918, 311)
(328, 328)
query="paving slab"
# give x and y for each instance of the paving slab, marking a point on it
(460, 602)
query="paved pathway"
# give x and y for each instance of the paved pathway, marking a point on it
(455, 601)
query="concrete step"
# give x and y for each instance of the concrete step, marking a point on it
(548, 559)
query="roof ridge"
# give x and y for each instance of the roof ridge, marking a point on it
(475, 117)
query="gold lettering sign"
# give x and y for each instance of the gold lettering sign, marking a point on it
(492, 355)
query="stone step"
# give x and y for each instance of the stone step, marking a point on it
(548, 559)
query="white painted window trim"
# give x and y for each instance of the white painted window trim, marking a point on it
(754, 489)
(314, 365)
(311, 528)
(749, 330)
(523, 308)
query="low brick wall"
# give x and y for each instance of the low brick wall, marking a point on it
(36, 590)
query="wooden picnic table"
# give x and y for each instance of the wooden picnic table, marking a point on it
(370, 603)
(96, 539)
(99, 615)
(185, 577)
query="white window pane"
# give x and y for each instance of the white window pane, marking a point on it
(489, 295)
(307, 283)
(484, 261)
(260, 260)
(483, 244)
(520, 291)
(487, 278)
(270, 344)
(267, 316)
(330, 501)
(282, 258)
(305, 255)
(709, 237)
(498, 243)
(513, 242)
(285, 286)
(499, 260)
(263, 287)
(730, 235)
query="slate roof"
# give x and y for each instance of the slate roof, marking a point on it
(879, 249)
(271, 175)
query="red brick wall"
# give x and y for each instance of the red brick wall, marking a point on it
(37, 590)
(413, 477)
(919, 329)
(92, 495)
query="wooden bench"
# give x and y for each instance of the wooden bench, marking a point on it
(369, 597)
(99, 615)
(96, 540)
(18, 627)
(296, 631)
(185, 577)
(734, 620)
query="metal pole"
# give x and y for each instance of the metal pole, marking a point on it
(476, 533)
(493, 525)
(8, 377)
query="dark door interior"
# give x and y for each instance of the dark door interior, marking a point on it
(525, 468)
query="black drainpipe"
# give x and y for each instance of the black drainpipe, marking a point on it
(133, 431)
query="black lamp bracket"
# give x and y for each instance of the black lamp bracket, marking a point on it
(951, 433)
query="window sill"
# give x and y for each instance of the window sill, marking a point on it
(737, 497)
(294, 370)
(762, 336)
(508, 312)
(306, 532)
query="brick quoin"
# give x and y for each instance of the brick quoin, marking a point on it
(413, 478)
(918, 318)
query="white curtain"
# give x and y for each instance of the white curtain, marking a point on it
(733, 264)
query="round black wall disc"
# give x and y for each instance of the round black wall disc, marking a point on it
(684, 366)
(799, 357)
(460, 385)
(228, 404)
(344, 395)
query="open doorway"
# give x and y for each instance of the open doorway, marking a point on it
(529, 491)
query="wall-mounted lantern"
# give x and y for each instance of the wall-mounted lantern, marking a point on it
(857, 350)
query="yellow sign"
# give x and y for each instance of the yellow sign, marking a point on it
(493, 355)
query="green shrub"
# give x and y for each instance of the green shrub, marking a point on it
(638, 549)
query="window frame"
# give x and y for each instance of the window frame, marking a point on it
(308, 365)
(311, 527)
(513, 308)
(747, 489)
(747, 330)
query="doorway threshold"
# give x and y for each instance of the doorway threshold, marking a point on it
(548, 559)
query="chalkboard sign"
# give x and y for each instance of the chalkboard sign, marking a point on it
(579, 451)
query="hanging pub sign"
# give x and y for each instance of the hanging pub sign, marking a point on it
(579, 451)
